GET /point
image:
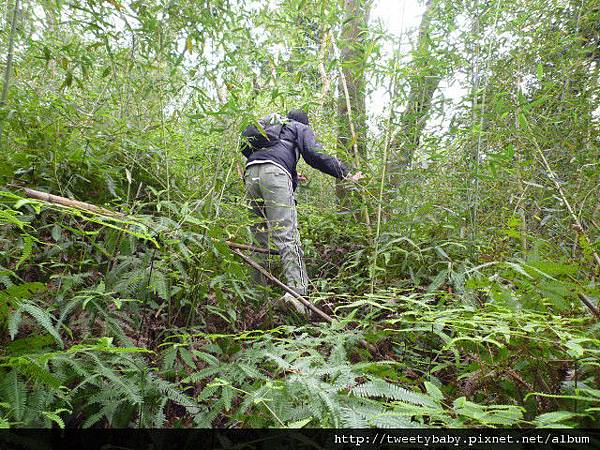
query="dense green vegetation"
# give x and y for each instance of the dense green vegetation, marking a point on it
(461, 259)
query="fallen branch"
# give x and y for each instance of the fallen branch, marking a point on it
(282, 285)
(253, 248)
(56, 199)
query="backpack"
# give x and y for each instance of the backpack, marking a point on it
(265, 138)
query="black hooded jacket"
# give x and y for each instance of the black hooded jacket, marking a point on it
(295, 139)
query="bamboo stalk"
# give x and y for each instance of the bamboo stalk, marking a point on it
(348, 105)
(50, 198)
(386, 145)
(44, 196)
(289, 290)
(552, 175)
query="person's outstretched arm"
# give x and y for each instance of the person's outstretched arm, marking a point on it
(310, 151)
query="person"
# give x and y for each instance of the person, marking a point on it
(271, 178)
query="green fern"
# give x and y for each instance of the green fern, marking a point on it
(13, 392)
(27, 249)
(43, 318)
(383, 389)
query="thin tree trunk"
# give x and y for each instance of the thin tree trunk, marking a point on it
(325, 80)
(9, 59)
(352, 113)
(341, 188)
(351, 104)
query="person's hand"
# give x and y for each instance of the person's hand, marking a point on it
(302, 178)
(355, 177)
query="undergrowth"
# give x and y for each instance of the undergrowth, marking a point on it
(453, 344)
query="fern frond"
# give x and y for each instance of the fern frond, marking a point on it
(14, 321)
(388, 391)
(42, 318)
(14, 392)
(202, 374)
(352, 419)
(281, 363)
(27, 249)
(169, 390)
(391, 420)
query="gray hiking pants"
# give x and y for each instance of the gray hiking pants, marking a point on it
(269, 189)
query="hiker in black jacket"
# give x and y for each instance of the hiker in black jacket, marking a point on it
(271, 179)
